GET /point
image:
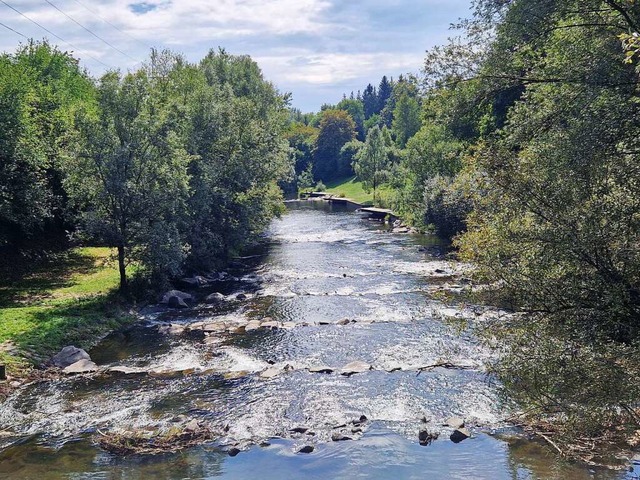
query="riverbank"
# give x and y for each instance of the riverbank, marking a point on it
(67, 298)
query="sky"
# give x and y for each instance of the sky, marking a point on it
(315, 49)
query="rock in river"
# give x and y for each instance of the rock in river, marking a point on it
(355, 367)
(306, 449)
(68, 356)
(185, 297)
(81, 366)
(459, 435)
(271, 373)
(215, 297)
(454, 422)
(176, 302)
(425, 437)
(320, 369)
(127, 371)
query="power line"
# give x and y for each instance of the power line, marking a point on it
(112, 25)
(14, 31)
(51, 33)
(90, 32)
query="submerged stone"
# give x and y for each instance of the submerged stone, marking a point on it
(307, 449)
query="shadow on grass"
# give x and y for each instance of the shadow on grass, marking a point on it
(26, 280)
(75, 322)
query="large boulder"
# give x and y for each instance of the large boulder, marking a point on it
(68, 356)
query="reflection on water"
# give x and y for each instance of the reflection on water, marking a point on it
(323, 266)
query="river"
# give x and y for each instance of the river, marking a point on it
(323, 267)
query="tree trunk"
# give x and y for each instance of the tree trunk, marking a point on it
(123, 269)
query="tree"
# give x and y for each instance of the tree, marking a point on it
(41, 89)
(336, 128)
(385, 89)
(356, 110)
(370, 101)
(406, 119)
(372, 161)
(347, 156)
(130, 178)
(238, 130)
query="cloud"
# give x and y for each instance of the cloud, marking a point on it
(316, 49)
(337, 68)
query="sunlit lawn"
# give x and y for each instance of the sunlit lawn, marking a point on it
(70, 298)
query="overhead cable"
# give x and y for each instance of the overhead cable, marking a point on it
(91, 33)
(58, 37)
(112, 25)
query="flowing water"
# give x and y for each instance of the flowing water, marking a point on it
(323, 266)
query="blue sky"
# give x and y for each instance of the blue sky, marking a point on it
(316, 49)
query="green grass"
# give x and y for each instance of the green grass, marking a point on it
(68, 298)
(350, 188)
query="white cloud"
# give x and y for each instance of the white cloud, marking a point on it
(334, 68)
(317, 49)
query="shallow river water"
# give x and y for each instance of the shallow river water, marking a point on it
(323, 265)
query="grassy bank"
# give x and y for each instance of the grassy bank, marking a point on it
(350, 188)
(67, 298)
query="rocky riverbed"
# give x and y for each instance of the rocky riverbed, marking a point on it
(339, 350)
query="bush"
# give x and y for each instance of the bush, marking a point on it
(446, 206)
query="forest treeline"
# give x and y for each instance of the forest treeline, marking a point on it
(521, 142)
(176, 165)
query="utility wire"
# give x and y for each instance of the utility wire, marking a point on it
(90, 32)
(58, 37)
(14, 31)
(112, 25)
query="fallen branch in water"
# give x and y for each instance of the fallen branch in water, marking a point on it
(130, 443)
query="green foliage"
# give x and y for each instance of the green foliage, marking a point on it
(305, 179)
(130, 178)
(41, 89)
(555, 194)
(356, 110)
(336, 129)
(237, 134)
(347, 156)
(406, 119)
(302, 139)
(431, 160)
(372, 163)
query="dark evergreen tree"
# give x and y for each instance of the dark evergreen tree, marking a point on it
(370, 101)
(384, 93)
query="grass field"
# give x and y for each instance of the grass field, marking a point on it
(68, 299)
(350, 188)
